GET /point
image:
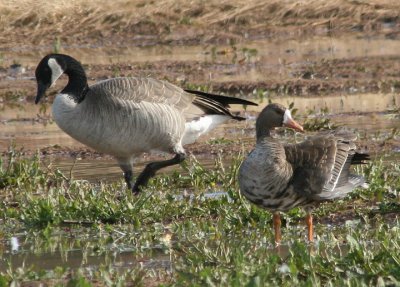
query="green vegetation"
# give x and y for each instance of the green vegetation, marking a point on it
(316, 121)
(57, 45)
(218, 240)
(220, 141)
(235, 54)
(12, 99)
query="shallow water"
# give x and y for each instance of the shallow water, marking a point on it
(365, 113)
(89, 248)
(74, 246)
(269, 54)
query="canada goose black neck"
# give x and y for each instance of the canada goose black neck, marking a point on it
(126, 116)
(77, 85)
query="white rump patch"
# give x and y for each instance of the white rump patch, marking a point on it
(56, 70)
(287, 116)
(196, 128)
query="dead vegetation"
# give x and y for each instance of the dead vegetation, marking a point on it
(40, 22)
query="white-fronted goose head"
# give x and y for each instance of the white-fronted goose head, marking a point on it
(280, 177)
(274, 116)
(125, 117)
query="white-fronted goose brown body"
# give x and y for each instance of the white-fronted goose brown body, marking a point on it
(280, 177)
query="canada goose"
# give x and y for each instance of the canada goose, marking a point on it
(125, 117)
(280, 177)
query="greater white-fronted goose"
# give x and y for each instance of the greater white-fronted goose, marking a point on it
(125, 117)
(280, 177)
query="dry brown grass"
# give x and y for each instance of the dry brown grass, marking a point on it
(40, 21)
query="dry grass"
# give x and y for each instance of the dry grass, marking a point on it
(39, 22)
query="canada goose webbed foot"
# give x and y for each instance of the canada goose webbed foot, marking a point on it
(151, 169)
(156, 114)
(144, 177)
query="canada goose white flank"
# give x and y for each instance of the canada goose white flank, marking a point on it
(127, 116)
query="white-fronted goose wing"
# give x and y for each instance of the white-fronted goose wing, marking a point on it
(280, 177)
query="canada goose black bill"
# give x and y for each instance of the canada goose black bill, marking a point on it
(127, 116)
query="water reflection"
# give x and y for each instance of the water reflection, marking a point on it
(366, 113)
(74, 248)
(361, 111)
(269, 52)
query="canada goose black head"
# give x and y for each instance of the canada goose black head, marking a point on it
(51, 67)
(273, 116)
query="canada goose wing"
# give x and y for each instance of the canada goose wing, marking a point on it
(321, 164)
(137, 90)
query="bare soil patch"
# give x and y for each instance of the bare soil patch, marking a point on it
(335, 76)
(40, 24)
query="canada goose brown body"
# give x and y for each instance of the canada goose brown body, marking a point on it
(125, 117)
(280, 177)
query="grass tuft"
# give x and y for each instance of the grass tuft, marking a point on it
(219, 239)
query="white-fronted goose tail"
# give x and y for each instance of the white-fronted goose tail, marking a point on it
(280, 177)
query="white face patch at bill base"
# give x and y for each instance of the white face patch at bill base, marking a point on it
(56, 70)
(287, 117)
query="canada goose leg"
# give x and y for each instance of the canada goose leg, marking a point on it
(277, 227)
(151, 169)
(128, 178)
(126, 167)
(309, 222)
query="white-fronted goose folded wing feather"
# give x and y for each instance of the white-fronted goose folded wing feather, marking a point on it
(280, 177)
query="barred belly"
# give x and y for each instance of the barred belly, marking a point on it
(264, 179)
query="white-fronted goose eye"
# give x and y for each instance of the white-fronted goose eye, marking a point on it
(279, 177)
(274, 116)
(125, 117)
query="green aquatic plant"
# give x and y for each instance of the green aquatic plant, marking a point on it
(217, 239)
(316, 121)
(198, 87)
(57, 45)
(220, 141)
(19, 172)
(261, 95)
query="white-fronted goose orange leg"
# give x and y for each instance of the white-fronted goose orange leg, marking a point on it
(275, 176)
(309, 222)
(277, 227)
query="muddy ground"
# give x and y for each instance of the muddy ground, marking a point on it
(219, 27)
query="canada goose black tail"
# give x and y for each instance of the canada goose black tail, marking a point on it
(360, 158)
(216, 104)
(224, 100)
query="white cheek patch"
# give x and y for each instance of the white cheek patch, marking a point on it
(287, 117)
(56, 70)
